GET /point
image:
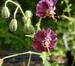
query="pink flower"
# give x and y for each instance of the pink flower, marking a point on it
(44, 40)
(46, 8)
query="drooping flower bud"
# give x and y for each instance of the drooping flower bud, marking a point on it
(5, 13)
(13, 25)
(25, 19)
(28, 13)
(1, 62)
(28, 29)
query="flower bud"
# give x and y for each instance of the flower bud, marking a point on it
(24, 19)
(1, 62)
(28, 13)
(13, 25)
(5, 13)
(28, 29)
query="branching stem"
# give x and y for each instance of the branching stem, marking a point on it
(29, 52)
(16, 5)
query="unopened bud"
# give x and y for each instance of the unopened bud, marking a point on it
(5, 13)
(1, 62)
(13, 25)
(26, 20)
(28, 29)
(28, 13)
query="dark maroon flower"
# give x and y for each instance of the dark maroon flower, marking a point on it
(44, 40)
(46, 8)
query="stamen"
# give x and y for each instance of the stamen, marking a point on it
(46, 43)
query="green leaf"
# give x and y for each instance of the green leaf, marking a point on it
(46, 63)
(44, 56)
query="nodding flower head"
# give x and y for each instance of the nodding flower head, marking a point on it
(44, 40)
(46, 8)
(5, 13)
(13, 25)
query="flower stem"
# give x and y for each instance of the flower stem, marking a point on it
(16, 5)
(29, 52)
(11, 2)
(29, 60)
(73, 60)
(22, 11)
(38, 24)
(48, 51)
(6, 2)
(66, 42)
(15, 12)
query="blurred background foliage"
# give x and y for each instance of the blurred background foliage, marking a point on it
(18, 41)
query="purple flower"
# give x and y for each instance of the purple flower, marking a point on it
(46, 8)
(44, 40)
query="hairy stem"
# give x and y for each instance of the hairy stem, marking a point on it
(29, 60)
(38, 24)
(16, 5)
(29, 52)
(15, 12)
(65, 42)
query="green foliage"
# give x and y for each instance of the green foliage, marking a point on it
(15, 41)
(44, 57)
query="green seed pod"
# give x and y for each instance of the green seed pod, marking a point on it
(28, 13)
(13, 25)
(28, 29)
(5, 13)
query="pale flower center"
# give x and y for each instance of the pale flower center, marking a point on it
(50, 12)
(45, 43)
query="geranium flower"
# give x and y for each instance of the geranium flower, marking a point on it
(44, 40)
(46, 8)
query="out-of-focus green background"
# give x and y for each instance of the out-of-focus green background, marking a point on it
(18, 41)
